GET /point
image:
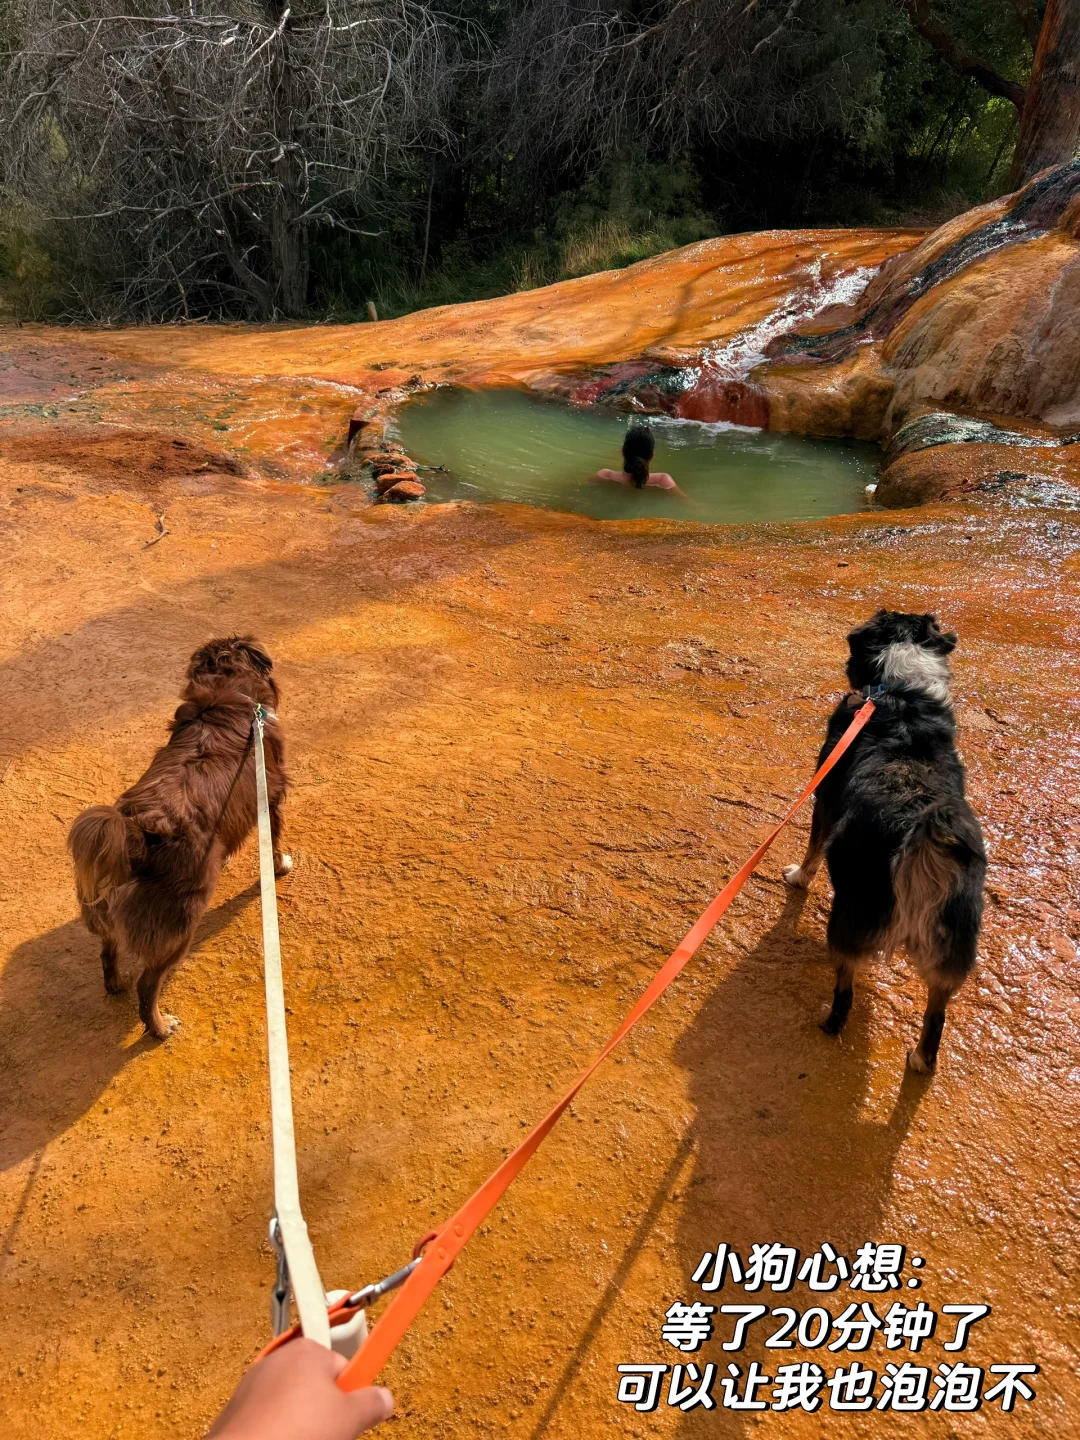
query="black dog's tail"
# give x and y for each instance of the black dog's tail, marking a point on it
(938, 884)
(102, 843)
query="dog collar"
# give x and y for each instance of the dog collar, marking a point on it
(262, 712)
(873, 692)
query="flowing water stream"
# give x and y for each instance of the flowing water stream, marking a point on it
(509, 445)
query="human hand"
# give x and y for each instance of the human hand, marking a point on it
(291, 1395)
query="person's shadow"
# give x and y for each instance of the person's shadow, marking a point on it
(62, 1038)
(788, 1146)
(783, 1149)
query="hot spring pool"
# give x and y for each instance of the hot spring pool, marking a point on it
(509, 445)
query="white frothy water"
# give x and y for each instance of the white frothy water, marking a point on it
(735, 357)
(672, 424)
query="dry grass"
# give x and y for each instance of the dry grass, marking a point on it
(607, 244)
(598, 246)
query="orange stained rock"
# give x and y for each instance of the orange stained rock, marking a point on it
(1002, 336)
(990, 333)
(850, 397)
(908, 264)
(677, 302)
(526, 749)
(981, 469)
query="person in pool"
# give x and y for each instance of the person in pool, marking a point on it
(637, 451)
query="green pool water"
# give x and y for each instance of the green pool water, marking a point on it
(508, 445)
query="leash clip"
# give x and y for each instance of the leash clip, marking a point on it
(361, 1299)
(281, 1296)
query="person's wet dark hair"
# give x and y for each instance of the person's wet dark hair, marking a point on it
(637, 451)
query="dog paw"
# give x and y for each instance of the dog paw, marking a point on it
(828, 1021)
(918, 1064)
(793, 876)
(169, 1026)
(284, 865)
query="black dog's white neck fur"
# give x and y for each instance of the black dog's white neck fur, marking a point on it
(904, 665)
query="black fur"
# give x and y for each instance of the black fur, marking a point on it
(904, 850)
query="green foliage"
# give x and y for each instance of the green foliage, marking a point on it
(629, 210)
(32, 285)
(921, 144)
(889, 134)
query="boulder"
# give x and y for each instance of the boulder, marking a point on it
(714, 396)
(389, 478)
(848, 398)
(402, 490)
(386, 461)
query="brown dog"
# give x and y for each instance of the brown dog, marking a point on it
(145, 868)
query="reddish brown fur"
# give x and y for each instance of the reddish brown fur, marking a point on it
(145, 868)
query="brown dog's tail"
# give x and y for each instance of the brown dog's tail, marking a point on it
(101, 842)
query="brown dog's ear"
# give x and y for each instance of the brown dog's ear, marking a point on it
(260, 660)
(203, 660)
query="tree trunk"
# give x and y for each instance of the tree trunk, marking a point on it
(1050, 122)
(289, 249)
(289, 237)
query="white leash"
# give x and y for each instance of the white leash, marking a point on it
(299, 1269)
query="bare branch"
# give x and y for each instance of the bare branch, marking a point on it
(574, 81)
(202, 140)
(775, 34)
(956, 55)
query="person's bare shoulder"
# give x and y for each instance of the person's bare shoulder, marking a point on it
(663, 480)
(615, 475)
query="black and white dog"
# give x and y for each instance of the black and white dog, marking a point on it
(904, 851)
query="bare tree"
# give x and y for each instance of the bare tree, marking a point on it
(196, 143)
(577, 79)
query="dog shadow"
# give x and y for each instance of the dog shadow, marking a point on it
(781, 1148)
(62, 1038)
(791, 1145)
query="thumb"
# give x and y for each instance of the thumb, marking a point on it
(369, 1407)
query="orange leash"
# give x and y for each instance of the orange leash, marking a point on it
(448, 1242)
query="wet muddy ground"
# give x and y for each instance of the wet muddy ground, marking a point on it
(526, 750)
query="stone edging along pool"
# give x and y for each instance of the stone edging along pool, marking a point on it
(959, 353)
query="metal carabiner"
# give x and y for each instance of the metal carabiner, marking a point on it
(281, 1297)
(361, 1299)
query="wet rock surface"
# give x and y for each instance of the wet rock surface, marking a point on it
(942, 427)
(400, 488)
(1011, 474)
(526, 750)
(1049, 202)
(386, 479)
(980, 318)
